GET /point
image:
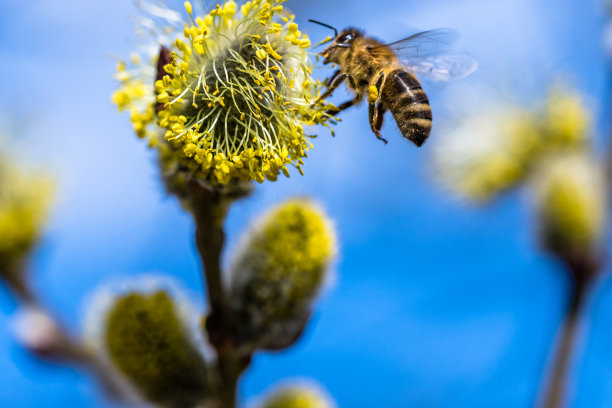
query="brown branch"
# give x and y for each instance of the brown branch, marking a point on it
(62, 347)
(209, 207)
(15, 277)
(209, 210)
(583, 271)
(555, 392)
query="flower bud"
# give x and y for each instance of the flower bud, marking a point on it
(571, 203)
(24, 202)
(278, 272)
(486, 154)
(297, 396)
(566, 121)
(501, 147)
(147, 341)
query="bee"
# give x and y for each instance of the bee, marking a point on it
(386, 73)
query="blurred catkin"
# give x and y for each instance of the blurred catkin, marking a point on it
(503, 146)
(24, 204)
(278, 272)
(571, 201)
(147, 341)
(296, 396)
(233, 93)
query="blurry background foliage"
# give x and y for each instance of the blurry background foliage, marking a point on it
(405, 315)
(25, 197)
(505, 144)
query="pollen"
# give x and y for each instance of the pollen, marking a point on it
(261, 54)
(372, 94)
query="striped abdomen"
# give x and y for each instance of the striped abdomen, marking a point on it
(403, 95)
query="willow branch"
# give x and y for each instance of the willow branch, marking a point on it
(14, 276)
(583, 271)
(209, 210)
(209, 207)
(61, 346)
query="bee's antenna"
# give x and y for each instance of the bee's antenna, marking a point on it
(325, 25)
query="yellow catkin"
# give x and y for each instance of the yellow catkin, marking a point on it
(247, 101)
(571, 202)
(146, 340)
(498, 149)
(24, 203)
(279, 271)
(296, 397)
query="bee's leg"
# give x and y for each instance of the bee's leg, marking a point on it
(376, 114)
(377, 109)
(336, 80)
(342, 107)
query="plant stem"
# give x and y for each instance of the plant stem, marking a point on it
(555, 391)
(209, 207)
(15, 277)
(209, 211)
(583, 270)
(61, 346)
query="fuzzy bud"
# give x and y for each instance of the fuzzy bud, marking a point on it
(277, 274)
(487, 154)
(294, 396)
(571, 202)
(24, 202)
(501, 147)
(566, 121)
(147, 341)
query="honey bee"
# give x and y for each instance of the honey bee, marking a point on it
(386, 73)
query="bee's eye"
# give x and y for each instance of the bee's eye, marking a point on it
(346, 38)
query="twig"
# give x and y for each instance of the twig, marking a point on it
(209, 207)
(209, 210)
(61, 346)
(14, 275)
(583, 271)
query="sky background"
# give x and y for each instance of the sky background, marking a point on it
(435, 303)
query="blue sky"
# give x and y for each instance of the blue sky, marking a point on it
(435, 303)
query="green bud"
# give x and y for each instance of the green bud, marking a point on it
(277, 274)
(147, 341)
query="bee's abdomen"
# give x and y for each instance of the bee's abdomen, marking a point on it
(407, 101)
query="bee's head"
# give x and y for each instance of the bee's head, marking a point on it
(342, 43)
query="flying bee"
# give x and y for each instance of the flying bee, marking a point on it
(386, 74)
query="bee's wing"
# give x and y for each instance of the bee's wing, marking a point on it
(429, 53)
(423, 44)
(444, 67)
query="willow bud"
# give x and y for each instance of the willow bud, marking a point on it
(571, 204)
(147, 341)
(278, 273)
(297, 396)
